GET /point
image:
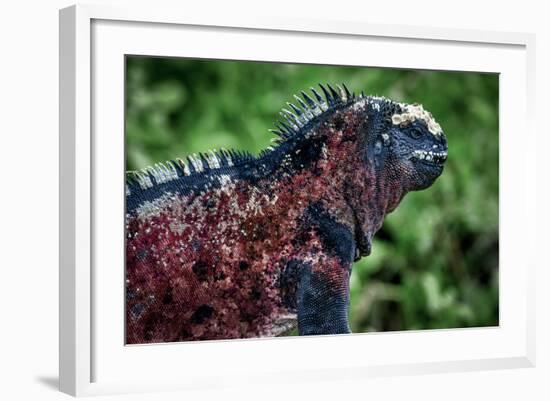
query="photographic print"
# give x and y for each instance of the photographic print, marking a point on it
(272, 199)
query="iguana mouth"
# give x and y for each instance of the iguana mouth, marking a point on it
(430, 157)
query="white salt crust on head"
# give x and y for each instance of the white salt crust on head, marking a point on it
(416, 112)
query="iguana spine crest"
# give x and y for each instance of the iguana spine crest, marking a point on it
(293, 123)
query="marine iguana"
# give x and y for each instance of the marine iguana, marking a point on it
(231, 245)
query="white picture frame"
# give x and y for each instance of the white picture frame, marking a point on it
(93, 358)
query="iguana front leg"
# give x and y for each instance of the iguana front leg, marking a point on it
(323, 301)
(322, 285)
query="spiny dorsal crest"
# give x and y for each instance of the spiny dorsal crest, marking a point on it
(310, 107)
(295, 120)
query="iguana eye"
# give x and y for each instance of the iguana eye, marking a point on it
(415, 133)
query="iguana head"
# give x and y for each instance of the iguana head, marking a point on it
(406, 142)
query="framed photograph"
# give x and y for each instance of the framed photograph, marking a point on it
(241, 191)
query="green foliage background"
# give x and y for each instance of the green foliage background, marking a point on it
(434, 264)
